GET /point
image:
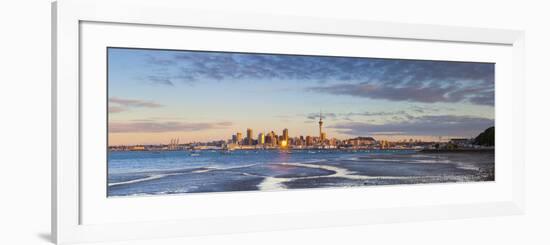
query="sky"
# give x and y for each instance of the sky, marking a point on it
(197, 96)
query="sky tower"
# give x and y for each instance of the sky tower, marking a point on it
(320, 124)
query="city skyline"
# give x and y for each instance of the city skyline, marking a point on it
(284, 140)
(157, 95)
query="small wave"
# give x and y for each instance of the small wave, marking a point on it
(274, 183)
(310, 161)
(252, 175)
(241, 166)
(159, 176)
(152, 177)
(432, 161)
(466, 166)
(203, 170)
(208, 169)
(385, 160)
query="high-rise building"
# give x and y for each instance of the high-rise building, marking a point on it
(274, 138)
(249, 139)
(323, 137)
(234, 139)
(296, 141)
(285, 134)
(239, 137)
(321, 125)
(309, 140)
(261, 139)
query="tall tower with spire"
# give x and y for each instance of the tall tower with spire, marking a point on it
(320, 124)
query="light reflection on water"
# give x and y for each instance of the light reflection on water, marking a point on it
(150, 173)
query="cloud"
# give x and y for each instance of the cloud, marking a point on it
(159, 127)
(133, 103)
(427, 109)
(160, 80)
(377, 113)
(117, 105)
(381, 75)
(401, 114)
(433, 125)
(151, 59)
(315, 116)
(474, 93)
(369, 116)
(116, 109)
(423, 81)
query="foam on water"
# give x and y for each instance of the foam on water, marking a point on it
(432, 161)
(275, 183)
(152, 177)
(384, 160)
(250, 170)
(204, 170)
(208, 169)
(466, 166)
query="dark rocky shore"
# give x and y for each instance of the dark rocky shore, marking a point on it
(480, 150)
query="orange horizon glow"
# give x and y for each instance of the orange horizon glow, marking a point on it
(158, 95)
(131, 139)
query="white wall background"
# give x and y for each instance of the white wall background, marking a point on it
(25, 121)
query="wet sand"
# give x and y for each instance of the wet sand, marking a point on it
(357, 170)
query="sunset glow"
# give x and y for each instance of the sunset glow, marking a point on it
(157, 95)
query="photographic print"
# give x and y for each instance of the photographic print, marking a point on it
(184, 121)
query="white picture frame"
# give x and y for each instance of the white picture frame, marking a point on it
(68, 196)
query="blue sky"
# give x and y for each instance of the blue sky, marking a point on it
(155, 95)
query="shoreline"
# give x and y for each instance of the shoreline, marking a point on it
(481, 150)
(465, 150)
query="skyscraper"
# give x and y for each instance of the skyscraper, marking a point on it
(273, 136)
(309, 140)
(249, 139)
(239, 137)
(261, 139)
(285, 134)
(323, 137)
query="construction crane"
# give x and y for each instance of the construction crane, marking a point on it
(174, 144)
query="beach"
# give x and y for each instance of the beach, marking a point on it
(179, 172)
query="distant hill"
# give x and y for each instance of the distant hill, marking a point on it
(487, 138)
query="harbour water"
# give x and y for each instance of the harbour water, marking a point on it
(132, 173)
